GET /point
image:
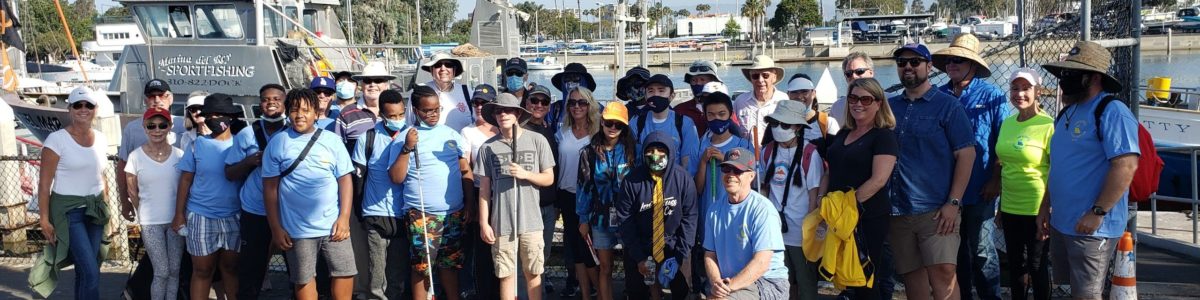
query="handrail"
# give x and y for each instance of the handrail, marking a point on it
(1194, 152)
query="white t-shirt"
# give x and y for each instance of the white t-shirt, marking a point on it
(456, 110)
(751, 115)
(474, 138)
(157, 185)
(80, 170)
(814, 128)
(797, 203)
(568, 152)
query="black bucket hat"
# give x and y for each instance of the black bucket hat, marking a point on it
(574, 68)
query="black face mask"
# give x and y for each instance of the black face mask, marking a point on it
(1073, 86)
(217, 124)
(658, 103)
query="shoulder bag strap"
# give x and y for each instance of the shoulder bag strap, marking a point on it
(303, 153)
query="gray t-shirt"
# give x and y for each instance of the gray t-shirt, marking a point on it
(533, 154)
(133, 135)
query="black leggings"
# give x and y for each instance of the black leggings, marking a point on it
(872, 232)
(572, 240)
(1026, 255)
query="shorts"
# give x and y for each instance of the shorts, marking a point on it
(604, 240)
(916, 244)
(445, 240)
(504, 254)
(207, 235)
(1081, 261)
(302, 258)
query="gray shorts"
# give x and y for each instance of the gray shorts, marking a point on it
(302, 258)
(1081, 261)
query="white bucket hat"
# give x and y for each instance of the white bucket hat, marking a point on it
(374, 69)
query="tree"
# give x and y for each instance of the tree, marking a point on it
(795, 14)
(702, 9)
(683, 12)
(43, 32)
(436, 15)
(755, 10)
(117, 12)
(1159, 3)
(935, 10)
(732, 29)
(917, 7)
(527, 26)
(883, 6)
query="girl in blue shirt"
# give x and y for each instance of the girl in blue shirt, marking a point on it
(603, 165)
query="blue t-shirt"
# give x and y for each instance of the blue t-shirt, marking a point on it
(212, 195)
(929, 130)
(438, 180)
(986, 107)
(1079, 163)
(707, 197)
(379, 193)
(736, 231)
(308, 197)
(326, 123)
(689, 148)
(251, 193)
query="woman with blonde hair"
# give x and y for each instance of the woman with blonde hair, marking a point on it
(581, 122)
(861, 157)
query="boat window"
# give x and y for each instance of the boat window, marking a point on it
(310, 20)
(165, 21)
(218, 21)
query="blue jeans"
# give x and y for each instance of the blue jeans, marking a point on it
(978, 263)
(85, 247)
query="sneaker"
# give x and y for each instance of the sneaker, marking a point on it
(569, 292)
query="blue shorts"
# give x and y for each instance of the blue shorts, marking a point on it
(604, 240)
(207, 235)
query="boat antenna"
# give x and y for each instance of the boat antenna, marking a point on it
(71, 39)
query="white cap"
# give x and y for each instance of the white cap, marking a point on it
(81, 93)
(195, 100)
(104, 107)
(715, 86)
(800, 83)
(1029, 74)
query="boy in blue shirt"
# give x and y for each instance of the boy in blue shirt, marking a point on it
(430, 157)
(743, 242)
(307, 191)
(381, 210)
(723, 135)
(658, 117)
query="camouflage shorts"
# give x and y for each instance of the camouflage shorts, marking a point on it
(445, 235)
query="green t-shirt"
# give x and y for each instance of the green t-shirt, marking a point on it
(1024, 151)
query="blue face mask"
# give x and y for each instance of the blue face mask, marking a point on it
(514, 83)
(394, 125)
(345, 90)
(719, 126)
(697, 89)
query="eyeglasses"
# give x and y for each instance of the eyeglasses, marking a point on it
(433, 111)
(699, 69)
(911, 62)
(444, 64)
(539, 101)
(761, 75)
(727, 169)
(773, 124)
(613, 124)
(374, 80)
(159, 126)
(577, 103)
(865, 100)
(956, 60)
(856, 72)
(83, 104)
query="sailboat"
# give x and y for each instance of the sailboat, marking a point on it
(826, 91)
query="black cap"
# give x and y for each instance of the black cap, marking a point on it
(341, 74)
(661, 79)
(516, 63)
(156, 85)
(484, 92)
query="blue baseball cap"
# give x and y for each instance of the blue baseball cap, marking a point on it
(322, 82)
(919, 49)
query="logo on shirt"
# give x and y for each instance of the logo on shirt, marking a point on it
(1021, 141)
(1077, 128)
(779, 175)
(462, 107)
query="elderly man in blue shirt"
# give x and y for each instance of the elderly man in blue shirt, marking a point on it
(986, 107)
(936, 155)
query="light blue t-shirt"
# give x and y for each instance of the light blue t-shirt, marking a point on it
(707, 197)
(244, 145)
(326, 123)
(379, 193)
(736, 231)
(211, 195)
(688, 148)
(1079, 162)
(308, 197)
(438, 178)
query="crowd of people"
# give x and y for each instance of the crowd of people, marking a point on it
(451, 190)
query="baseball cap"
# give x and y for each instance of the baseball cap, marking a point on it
(800, 83)
(341, 74)
(540, 89)
(1027, 73)
(919, 49)
(516, 63)
(81, 93)
(156, 85)
(322, 82)
(484, 92)
(715, 86)
(739, 158)
(156, 112)
(661, 79)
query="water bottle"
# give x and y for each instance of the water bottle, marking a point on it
(649, 280)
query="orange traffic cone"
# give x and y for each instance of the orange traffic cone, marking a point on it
(1124, 280)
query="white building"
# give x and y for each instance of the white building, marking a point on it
(709, 25)
(111, 40)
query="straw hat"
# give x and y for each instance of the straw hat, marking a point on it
(505, 100)
(964, 46)
(374, 69)
(763, 62)
(1087, 56)
(440, 56)
(616, 111)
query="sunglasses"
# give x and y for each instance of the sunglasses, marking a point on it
(481, 102)
(324, 92)
(762, 75)
(539, 101)
(700, 69)
(911, 62)
(865, 100)
(613, 124)
(727, 169)
(956, 60)
(572, 78)
(374, 80)
(858, 72)
(577, 103)
(515, 73)
(83, 104)
(444, 64)
(773, 124)
(159, 126)
(507, 110)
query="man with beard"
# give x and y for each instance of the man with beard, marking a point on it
(1084, 213)
(936, 154)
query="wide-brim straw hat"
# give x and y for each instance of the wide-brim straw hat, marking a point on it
(375, 69)
(1087, 56)
(440, 56)
(505, 100)
(763, 62)
(965, 46)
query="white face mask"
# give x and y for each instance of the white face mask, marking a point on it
(783, 135)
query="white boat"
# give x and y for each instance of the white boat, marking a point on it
(544, 63)
(1171, 126)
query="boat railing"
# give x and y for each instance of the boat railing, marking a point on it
(1194, 201)
(1179, 98)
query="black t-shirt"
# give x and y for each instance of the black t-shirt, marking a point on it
(547, 195)
(850, 165)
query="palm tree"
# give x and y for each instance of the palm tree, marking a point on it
(755, 10)
(702, 9)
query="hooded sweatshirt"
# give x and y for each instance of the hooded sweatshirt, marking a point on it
(635, 208)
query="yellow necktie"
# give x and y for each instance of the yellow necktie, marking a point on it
(657, 202)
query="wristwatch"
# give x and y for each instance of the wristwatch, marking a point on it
(406, 150)
(955, 202)
(1099, 211)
